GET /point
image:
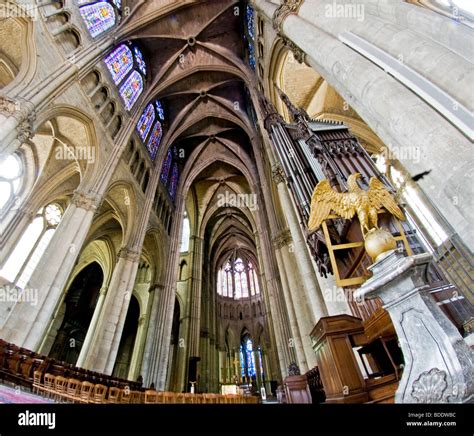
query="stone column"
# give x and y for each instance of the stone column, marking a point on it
(155, 293)
(222, 367)
(439, 365)
(295, 333)
(312, 292)
(138, 348)
(159, 333)
(195, 298)
(92, 326)
(27, 323)
(106, 339)
(277, 316)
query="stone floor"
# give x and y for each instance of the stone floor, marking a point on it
(17, 395)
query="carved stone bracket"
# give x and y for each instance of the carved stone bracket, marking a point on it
(86, 201)
(299, 55)
(278, 174)
(129, 254)
(289, 7)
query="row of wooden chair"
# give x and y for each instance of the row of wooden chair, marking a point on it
(63, 382)
(18, 365)
(62, 389)
(153, 397)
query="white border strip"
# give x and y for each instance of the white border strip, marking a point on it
(450, 108)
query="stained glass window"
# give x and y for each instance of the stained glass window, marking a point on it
(154, 141)
(252, 61)
(250, 36)
(146, 121)
(241, 279)
(247, 359)
(250, 358)
(119, 62)
(159, 110)
(174, 181)
(140, 60)
(131, 89)
(117, 3)
(250, 22)
(165, 171)
(98, 17)
(261, 360)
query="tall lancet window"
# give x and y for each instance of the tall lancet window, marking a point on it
(127, 67)
(119, 62)
(165, 171)
(11, 172)
(186, 233)
(99, 16)
(249, 35)
(25, 257)
(170, 172)
(150, 127)
(131, 89)
(174, 181)
(247, 358)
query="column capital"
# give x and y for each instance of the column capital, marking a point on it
(155, 287)
(287, 8)
(129, 254)
(86, 201)
(277, 174)
(9, 107)
(282, 239)
(25, 129)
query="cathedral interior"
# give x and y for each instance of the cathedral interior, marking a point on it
(232, 201)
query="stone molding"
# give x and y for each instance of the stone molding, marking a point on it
(289, 7)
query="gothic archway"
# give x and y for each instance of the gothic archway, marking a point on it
(80, 302)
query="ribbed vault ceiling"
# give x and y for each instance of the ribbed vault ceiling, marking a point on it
(196, 57)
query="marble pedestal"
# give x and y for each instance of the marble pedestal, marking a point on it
(438, 362)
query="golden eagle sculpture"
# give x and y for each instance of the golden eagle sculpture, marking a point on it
(366, 204)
